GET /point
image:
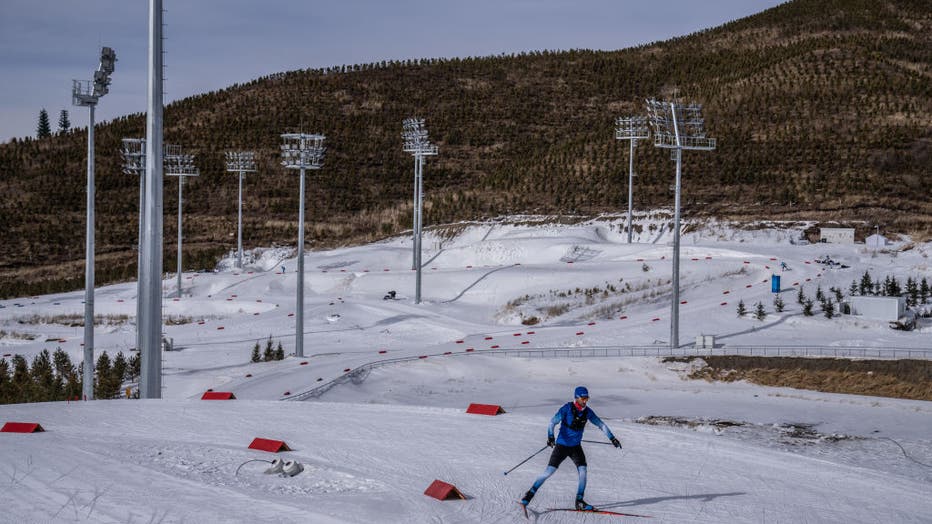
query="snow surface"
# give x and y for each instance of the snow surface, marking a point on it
(693, 451)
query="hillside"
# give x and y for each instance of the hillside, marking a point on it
(822, 109)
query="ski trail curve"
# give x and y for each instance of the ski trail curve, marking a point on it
(480, 279)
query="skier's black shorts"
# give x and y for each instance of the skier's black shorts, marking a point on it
(560, 452)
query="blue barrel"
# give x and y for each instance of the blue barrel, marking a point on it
(774, 283)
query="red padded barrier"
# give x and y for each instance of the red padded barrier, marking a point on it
(272, 446)
(484, 409)
(218, 395)
(21, 427)
(440, 490)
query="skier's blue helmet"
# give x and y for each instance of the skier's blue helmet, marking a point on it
(581, 391)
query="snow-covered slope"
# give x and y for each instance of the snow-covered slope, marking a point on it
(694, 452)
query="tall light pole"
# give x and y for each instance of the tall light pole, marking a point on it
(418, 144)
(149, 323)
(86, 93)
(134, 163)
(182, 166)
(301, 151)
(631, 129)
(679, 127)
(240, 162)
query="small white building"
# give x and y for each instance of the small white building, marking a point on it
(878, 308)
(876, 242)
(837, 235)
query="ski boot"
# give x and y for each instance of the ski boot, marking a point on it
(582, 505)
(527, 498)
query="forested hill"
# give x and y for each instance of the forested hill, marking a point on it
(822, 109)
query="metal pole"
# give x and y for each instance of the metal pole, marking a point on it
(675, 306)
(150, 325)
(630, 184)
(88, 384)
(299, 308)
(239, 226)
(139, 250)
(180, 185)
(416, 210)
(420, 200)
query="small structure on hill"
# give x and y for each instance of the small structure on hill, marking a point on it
(890, 309)
(837, 235)
(876, 241)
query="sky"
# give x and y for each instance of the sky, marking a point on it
(693, 451)
(211, 44)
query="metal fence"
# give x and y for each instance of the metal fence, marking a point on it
(359, 374)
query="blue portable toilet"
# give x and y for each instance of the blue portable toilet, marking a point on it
(774, 283)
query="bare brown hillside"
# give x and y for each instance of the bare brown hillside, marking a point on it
(822, 109)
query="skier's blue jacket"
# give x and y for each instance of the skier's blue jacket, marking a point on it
(572, 424)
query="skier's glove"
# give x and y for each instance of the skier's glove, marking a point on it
(616, 443)
(550, 441)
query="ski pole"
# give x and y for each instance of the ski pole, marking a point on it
(597, 442)
(527, 459)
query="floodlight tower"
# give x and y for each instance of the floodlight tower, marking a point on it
(181, 166)
(134, 163)
(240, 162)
(86, 93)
(418, 144)
(679, 127)
(149, 323)
(301, 151)
(631, 129)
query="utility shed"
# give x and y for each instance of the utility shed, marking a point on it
(878, 308)
(876, 241)
(837, 235)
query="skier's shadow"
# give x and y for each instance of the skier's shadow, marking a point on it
(704, 497)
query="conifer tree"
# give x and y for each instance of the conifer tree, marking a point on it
(269, 353)
(63, 123)
(912, 292)
(279, 351)
(61, 362)
(866, 287)
(778, 304)
(73, 385)
(43, 129)
(255, 354)
(21, 385)
(67, 375)
(828, 308)
(895, 288)
(800, 296)
(853, 288)
(102, 374)
(135, 367)
(807, 307)
(741, 309)
(924, 290)
(57, 391)
(759, 312)
(42, 376)
(839, 295)
(819, 295)
(118, 372)
(4, 381)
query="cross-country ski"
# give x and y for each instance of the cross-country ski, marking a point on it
(596, 511)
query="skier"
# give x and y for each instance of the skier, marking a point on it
(572, 418)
